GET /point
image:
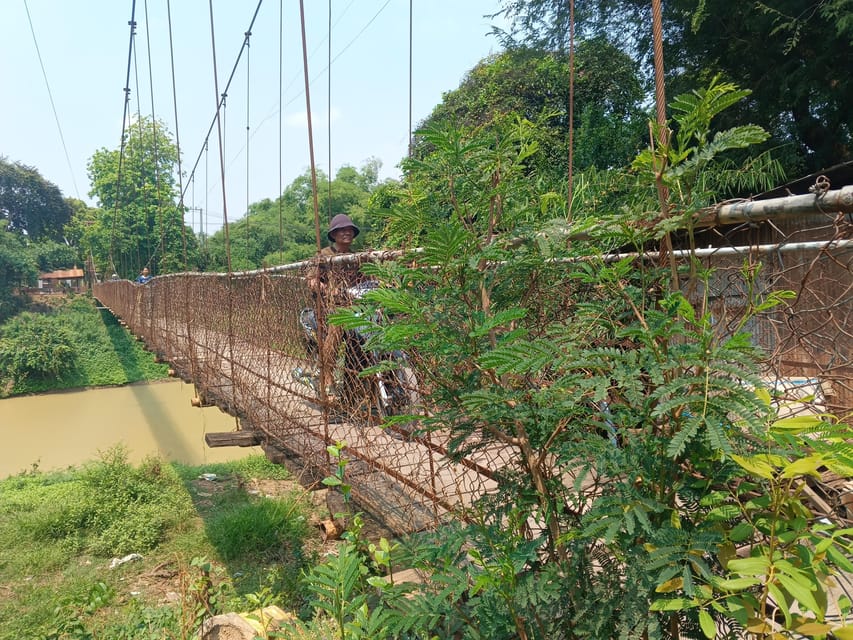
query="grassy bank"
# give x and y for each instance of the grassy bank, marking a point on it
(192, 545)
(66, 343)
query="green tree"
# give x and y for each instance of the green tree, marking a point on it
(51, 255)
(31, 205)
(281, 231)
(638, 425)
(35, 346)
(17, 267)
(534, 84)
(88, 231)
(793, 54)
(140, 222)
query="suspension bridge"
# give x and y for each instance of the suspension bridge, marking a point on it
(237, 338)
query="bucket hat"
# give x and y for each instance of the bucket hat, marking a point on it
(341, 221)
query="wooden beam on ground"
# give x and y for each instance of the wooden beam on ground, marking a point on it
(233, 439)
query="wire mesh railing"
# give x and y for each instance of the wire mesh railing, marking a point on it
(251, 344)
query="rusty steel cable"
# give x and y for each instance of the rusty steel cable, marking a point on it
(124, 118)
(570, 186)
(157, 185)
(280, 134)
(181, 207)
(312, 161)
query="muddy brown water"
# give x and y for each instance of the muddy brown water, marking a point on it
(57, 430)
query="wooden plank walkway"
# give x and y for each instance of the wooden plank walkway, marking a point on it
(408, 483)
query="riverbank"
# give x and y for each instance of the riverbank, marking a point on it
(111, 549)
(61, 343)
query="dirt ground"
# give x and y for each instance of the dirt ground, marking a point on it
(165, 582)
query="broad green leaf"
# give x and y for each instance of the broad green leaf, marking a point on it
(823, 545)
(755, 465)
(843, 633)
(763, 395)
(840, 559)
(813, 629)
(749, 566)
(672, 604)
(707, 624)
(759, 627)
(800, 590)
(804, 466)
(735, 584)
(781, 602)
(740, 532)
(796, 424)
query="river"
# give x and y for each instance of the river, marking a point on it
(57, 430)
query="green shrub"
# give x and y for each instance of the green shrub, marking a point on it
(134, 506)
(96, 350)
(271, 528)
(64, 511)
(259, 467)
(140, 528)
(37, 347)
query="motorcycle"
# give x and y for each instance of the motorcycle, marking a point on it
(390, 389)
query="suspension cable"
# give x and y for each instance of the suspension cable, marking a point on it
(124, 118)
(157, 185)
(329, 115)
(570, 186)
(411, 62)
(181, 207)
(219, 103)
(280, 134)
(206, 189)
(52, 104)
(140, 159)
(660, 160)
(247, 35)
(310, 128)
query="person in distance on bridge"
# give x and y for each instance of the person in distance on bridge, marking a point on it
(329, 283)
(143, 277)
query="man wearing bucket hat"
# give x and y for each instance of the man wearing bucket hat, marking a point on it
(329, 281)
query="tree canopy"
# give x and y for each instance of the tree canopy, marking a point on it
(282, 230)
(17, 267)
(31, 204)
(533, 84)
(794, 55)
(140, 222)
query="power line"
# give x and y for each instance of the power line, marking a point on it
(52, 105)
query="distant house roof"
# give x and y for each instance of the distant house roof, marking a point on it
(62, 274)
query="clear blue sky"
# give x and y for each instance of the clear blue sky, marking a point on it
(84, 50)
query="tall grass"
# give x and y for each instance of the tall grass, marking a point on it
(60, 531)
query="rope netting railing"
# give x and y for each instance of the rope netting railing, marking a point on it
(250, 344)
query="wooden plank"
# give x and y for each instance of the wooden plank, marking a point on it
(232, 439)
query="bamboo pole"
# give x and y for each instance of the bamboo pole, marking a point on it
(839, 200)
